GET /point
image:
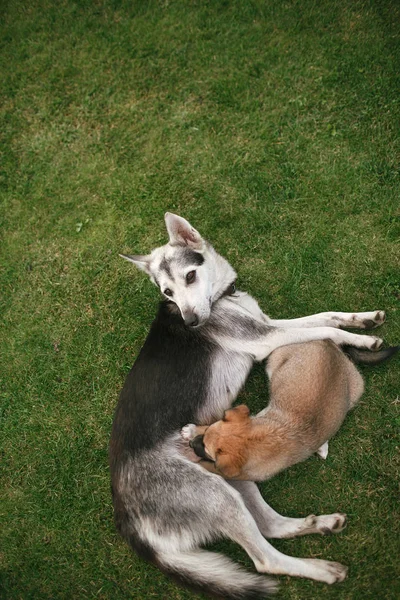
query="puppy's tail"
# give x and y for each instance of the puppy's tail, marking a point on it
(215, 575)
(366, 357)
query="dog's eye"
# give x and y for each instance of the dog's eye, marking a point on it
(191, 277)
(168, 292)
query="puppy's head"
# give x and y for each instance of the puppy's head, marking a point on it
(225, 442)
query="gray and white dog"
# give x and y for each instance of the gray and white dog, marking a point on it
(195, 360)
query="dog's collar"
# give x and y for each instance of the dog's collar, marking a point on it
(230, 290)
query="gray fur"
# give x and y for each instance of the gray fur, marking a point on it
(165, 265)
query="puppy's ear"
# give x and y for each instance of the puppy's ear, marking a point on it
(237, 414)
(229, 463)
(142, 261)
(182, 233)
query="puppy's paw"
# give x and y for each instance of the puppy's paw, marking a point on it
(323, 450)
(188, 432)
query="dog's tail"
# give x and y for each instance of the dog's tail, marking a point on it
(215, 575)
(199, 570)
(367, 357)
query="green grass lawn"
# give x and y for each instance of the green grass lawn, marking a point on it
(274, 128)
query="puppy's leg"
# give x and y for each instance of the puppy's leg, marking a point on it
(189, 432)
(363, 320)
(323, 451)
(273, 525)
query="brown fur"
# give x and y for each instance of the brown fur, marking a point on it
(312, 387)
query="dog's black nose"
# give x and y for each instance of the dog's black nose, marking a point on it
(192, 320)
(198, 446)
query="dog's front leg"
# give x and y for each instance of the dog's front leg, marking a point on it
(261, 346)
(282, 337)
(362, 320)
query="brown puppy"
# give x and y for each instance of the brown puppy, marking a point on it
(312, 387)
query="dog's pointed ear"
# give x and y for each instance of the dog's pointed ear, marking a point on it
(182, 233)
(142, 261)
(237, 414)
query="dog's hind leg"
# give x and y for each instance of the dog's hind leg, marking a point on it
(237, 523)
(273, 525)
(363, 320)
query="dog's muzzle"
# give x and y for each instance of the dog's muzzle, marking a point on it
(191, 320)
(198, 446)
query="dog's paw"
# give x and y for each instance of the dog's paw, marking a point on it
(368, 342)
(376, 343)
(326, 571)
(374, 319)
(188, 432)
(326, 524)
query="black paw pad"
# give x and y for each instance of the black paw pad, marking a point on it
(376, 345)
(339, 524)
(369, 324)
